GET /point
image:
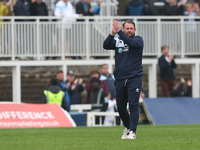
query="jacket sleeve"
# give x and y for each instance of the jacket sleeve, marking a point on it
(46, 9)
(44, 101)
(18, 9)
(90, 13)
(70, 89)
(64, 103)
(62, 87)
(165, 10)
(135, 42)
(173, 64)
(109, 43)
(80, 88)
(32, 9)
(88, 86)
(79, 9)
(104, 86)
(57, 11)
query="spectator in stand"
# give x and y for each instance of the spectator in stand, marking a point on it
(4, 9)
(64, 8)
(149, 8)
(109, 79)
(191, 29)
(74, 87)
(98, 96)
(112, 106)
(62, 85)
(38, 8)
(172, 8)
(89, 88)
(196, 6)
(21, 8)
(54, 94)
(189, 9)
(60, 77)
(84, 7)
(97, 7)
(166, 64)
(178, 89)
(134, 8)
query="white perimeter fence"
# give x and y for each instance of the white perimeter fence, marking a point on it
(41, 37)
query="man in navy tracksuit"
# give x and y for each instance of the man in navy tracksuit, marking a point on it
(128, 72)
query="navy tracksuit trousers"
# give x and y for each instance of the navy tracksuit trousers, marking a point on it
(128, 91)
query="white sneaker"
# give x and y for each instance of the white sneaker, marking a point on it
(125, 133)
(131, 135)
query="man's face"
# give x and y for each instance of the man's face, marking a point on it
(189, 8)
(60, 76)
(129, 29)
(104, 69)
(70, 78)
(39, 1)
(172, 1)
(89, 1)
(165, 51)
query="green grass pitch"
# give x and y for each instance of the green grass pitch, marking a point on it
(149, 137)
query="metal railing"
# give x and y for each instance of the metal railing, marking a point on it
(91, 116)
(40, 37)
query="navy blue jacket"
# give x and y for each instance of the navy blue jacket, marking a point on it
(166, 69)
(75, 95)
(128, 55)
(21, 8)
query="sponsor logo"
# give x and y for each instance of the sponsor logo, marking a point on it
(121, 46)
(120, 50)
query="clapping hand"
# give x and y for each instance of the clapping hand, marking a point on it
(189, 83)
(78, 80)
(171, 57)
(113, 32)
(116, 26)
(182, 80)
